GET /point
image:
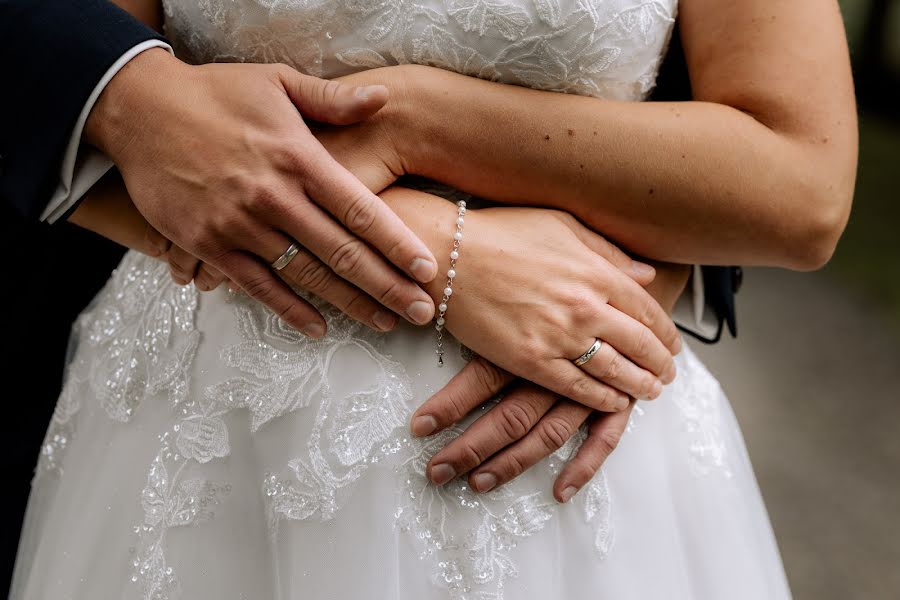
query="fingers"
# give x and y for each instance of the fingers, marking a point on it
(208, 278)
(608, 366)
(260, 283)
(563, 377)
(476, 383)
(331, 101)
(634, 340)
(604, 433)
(641, 272)
(365, 215)
(182, 265)
(307, 272)
(633, 300)
(548, 436)
(505, 423)
(354, 261)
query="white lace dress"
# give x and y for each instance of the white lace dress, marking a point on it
(201, 450)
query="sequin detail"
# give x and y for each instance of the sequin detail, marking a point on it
(604, 48)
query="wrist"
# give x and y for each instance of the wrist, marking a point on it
(127, 99)
(433, 220)
(409, 116)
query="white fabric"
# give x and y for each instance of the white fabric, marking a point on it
(82, 164)
(201, 450)
(691, 310)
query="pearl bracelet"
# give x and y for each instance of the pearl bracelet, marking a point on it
(451, 274)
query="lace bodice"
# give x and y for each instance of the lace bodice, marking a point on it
(604, 48)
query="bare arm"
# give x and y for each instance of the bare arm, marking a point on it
(759, 169)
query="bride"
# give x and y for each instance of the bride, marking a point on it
(201, 448)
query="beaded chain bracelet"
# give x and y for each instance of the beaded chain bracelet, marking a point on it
(451, 273)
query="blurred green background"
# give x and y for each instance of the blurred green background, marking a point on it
(814, 375)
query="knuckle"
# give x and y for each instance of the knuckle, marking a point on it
(392, 294)
(613, 369)
(514, 420)
(643, 343)
(264, 199)
(347, 258)
(582, 471)
(648, 310)
(609, 440)
(582, 308)
(451, 410)
(260, 288)
(360, 215)
(488, 377)
(312, 275)
(512, 467)
(579, 387)
(554, 433)
(470, 456)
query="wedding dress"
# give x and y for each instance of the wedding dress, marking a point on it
(202, 450)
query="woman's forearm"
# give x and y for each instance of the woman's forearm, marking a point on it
(681, 182)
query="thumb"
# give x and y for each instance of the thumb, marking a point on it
(333, 102)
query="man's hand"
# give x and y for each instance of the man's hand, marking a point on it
(529, 423)
(218, 160)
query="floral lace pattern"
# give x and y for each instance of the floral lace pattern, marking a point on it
(144, 340)
(606, 48)
(277, 372)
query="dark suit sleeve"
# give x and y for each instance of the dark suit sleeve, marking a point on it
(720, 284)
(53, 53)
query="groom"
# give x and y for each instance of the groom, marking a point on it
(86, 76)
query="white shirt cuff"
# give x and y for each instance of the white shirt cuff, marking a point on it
(691, 311)
(83, 165)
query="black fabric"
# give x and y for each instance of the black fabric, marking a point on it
(53, 53)
(720, 283)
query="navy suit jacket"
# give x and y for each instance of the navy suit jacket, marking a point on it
(53, 52)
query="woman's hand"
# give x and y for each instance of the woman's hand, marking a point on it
(529, 423)
(533, 291)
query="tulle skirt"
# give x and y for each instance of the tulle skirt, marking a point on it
(202, 450)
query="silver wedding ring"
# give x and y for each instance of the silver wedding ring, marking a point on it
(285, 259)
(589, 354)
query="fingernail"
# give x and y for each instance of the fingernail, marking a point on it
(669, 376)
(383, 320)
(642, 270)
(420, 312)
(424, 425)
(423, 269)
(678, 344)
(441, 474)
(484, 482)
(366, 91)
(567, 493)
(622, 403)
(656, 390)
(314, 330)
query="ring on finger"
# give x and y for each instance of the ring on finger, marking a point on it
(589, 353)
(285, 259)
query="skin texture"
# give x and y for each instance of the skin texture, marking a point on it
(767, 161)
(757, 170)
(219, 161)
